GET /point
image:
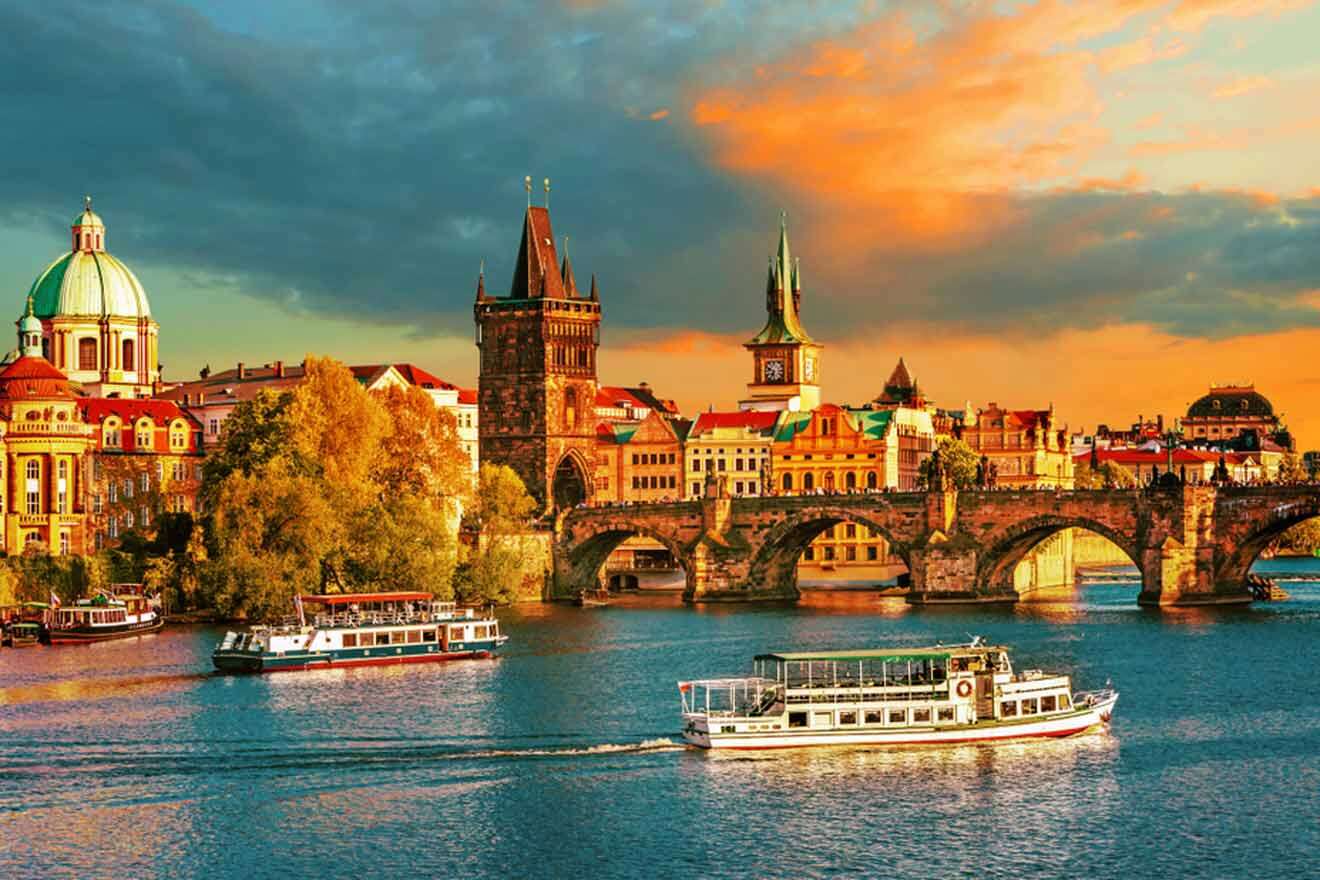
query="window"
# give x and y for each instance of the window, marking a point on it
(1064, 702)
(350, 640)
(829, 552)
(872, 553)
(788, 482)
(945, 715)
(382, 638)
(100, 541)
(850, 480)
(128, 487)
(874, 716)
(142, 440)
(1047, 703)
(898, 716)
(114, 491)
(809, 553)
(144, 481)
(1029, 706)
(850, 530)
(64, 543)
(1008, 708)
(414, 636)
(850, 554)
(62, 487)
(146, 517)
(871, 481)
(921, 716)
(127, 363)
(33, 471)
(98, 503)
(849, 717)
(213, 426)
(113, 526)
(110, 434)
(128, 519)
(808, 482)
(87, 354)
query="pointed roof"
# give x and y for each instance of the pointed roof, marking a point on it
(900, 378)
(481, 283)
(32, 377)
(537, 271)
(782, 321)
(595, 293)
(566, 273)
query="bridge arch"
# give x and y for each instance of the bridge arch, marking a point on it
(1249, 536)
(1003, 550)
(774, 563)
(586, 546)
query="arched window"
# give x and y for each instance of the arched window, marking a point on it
(33, 488)
(808, 482)
(788, 482)
(829, 481)
(871, 480)
(62, 486)
(143, 438)
(128, 363)
(178, 435)
(850, 480)
(87, 354)
(110, 433)
(570, 409)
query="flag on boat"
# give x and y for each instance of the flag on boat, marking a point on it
(54, 600)
(684, 686)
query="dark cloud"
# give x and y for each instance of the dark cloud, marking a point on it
(359, 159)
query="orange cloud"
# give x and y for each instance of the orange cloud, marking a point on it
(1241, 86)
(659, 114)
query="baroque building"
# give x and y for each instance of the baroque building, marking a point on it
(1231, 414)
(536, 385)
(96, 323)
(785, 360)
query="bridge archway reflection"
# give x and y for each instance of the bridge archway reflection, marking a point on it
(1042, 554)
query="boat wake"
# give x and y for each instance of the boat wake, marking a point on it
(662, 744)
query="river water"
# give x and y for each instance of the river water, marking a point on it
(560, 758)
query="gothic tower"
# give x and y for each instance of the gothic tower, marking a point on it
(785, 360)
(537, 379)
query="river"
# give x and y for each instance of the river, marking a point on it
(561, 758)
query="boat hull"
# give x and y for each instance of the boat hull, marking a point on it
(1089, 720)
(248, 662)
(104, 634)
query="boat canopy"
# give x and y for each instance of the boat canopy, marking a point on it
(888, 655)
(359, 598)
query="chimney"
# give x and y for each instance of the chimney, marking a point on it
(279, 369)
(242, 373)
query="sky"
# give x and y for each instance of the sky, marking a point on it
(1106, 206)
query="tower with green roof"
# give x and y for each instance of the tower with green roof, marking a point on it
(785, 359)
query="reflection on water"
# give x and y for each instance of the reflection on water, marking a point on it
(562, 757)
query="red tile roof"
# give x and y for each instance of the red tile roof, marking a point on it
(130, 409)
(32, 377)
(749, 419)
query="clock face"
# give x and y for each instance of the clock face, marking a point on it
(809, 369)
(774, 370)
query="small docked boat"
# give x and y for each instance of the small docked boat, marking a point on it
(937, 695)
(23, 634)
(125, 610)
(362, 629)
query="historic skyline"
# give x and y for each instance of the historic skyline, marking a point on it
(1106, 209)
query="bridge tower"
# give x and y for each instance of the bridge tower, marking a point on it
(536, 387)
(785, 360)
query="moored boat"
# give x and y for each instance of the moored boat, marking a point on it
(362, 629)
(125, 610)
(938, 695)
(22, 634)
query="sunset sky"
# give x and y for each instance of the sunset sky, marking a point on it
(1107, 206)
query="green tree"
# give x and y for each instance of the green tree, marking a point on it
(1109, 475)
(957, 460)
(503, 504)
(496, 564)
(254, 433)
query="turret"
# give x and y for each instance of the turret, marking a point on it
(29, 332)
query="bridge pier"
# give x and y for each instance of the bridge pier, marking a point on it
(945, 573)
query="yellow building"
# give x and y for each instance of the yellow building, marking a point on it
(1022, 449)
(732, 445)
(45, 445)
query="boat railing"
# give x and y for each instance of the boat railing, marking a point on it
(867, 692)
(729, 697)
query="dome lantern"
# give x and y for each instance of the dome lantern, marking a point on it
(29, 332)
(88, 230)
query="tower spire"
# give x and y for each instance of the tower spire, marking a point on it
(481, 282)
(566, 272)
(595, 293)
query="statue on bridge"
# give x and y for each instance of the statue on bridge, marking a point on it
(936, 482)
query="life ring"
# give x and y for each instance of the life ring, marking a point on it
(964, 688)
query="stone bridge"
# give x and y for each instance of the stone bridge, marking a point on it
(1192, 545)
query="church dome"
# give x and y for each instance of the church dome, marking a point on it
(87, 281)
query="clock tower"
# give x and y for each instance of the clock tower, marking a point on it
(785, 360)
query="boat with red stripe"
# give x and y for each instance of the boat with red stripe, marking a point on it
(924, 696)
(362, 629)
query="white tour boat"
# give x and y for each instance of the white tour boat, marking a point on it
(125, 610)
(362, 629)
(902, 696)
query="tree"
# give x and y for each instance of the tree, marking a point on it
(255, 432)
(420, 452)
(503, 504)
(496, 565)
(1301, 538)
(1109, 475)
(335, 426)
(1292, 469)
(957, 460)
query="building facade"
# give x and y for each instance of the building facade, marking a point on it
(735, 446)
(536, 386)
(785, 360)
(1228, 412)
(1023, 449)
(96, 324)
(638, 460)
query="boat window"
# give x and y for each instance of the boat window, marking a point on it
(847, 717)
(398, 637)
(1064, 702)
(1029, 706)
(350, 640)
(797, 719)
(822, 719)
(875, 716)
(1047, 703)
(921, 716)
(382, 638)
(428, 635)
(898, 716)
(414, 636)
(945, 714)
(1008, 708)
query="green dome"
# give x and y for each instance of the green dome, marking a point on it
(89, 283)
